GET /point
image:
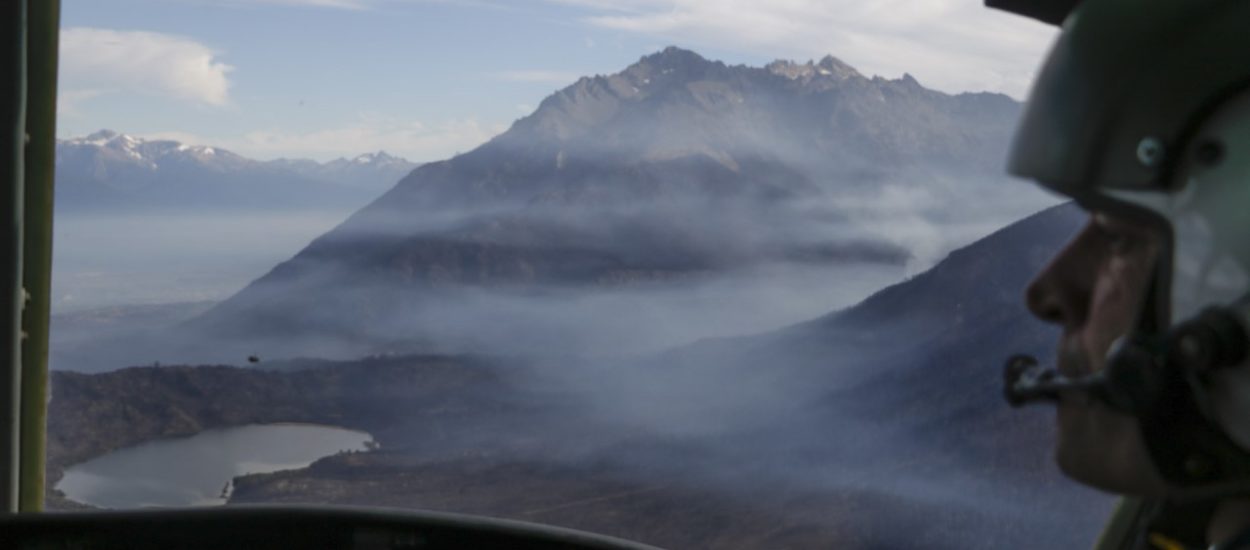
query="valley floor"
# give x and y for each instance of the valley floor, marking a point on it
(467, 435)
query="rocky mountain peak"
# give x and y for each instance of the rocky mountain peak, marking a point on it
(828, 67)
(673, 59)
(832, 66)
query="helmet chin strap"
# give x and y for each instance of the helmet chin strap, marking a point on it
(1161, 381)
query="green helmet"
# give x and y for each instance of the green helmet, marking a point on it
(1143, 109)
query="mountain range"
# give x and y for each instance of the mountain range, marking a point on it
(675, 171)
(108, 172)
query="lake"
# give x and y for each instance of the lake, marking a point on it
(196, 470)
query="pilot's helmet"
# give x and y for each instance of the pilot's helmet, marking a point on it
(1142, 109)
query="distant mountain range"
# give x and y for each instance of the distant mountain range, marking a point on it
(116, 173)
(675, 169)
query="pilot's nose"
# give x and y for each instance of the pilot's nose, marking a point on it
(1061, 291)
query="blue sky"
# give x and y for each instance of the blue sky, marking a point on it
(428, 78)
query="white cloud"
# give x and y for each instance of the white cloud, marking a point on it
(547, 77)
(103, 60)
(414, 140)
(951, 45)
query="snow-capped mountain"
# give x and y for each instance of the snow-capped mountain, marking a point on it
(110, 171)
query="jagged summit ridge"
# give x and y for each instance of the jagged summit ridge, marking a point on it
(829, 66)
(673, 58)
(675, 103)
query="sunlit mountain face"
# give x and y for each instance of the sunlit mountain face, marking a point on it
(676, 174)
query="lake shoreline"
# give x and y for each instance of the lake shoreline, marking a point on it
(187, 471)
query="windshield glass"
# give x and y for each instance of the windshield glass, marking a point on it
(695, 274)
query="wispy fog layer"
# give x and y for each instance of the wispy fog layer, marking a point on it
(885, 423)
(594, 322)
(942, 214)
(798, 262)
